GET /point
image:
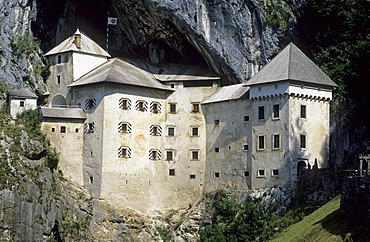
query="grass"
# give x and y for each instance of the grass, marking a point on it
(325, 225)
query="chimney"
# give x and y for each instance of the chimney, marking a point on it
(77, 40)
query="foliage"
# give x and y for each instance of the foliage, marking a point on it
(31, 122)
(165, 234)
(52, 159)
(24, 44)
(277, 13)
(42, 70)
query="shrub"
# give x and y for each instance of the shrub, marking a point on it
(24, 44)
(52, 159)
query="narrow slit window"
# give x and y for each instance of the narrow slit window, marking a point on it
(275, 111)
(303, 143)
(261, 142)
(276, 141)
(303, 111)
(261, 113)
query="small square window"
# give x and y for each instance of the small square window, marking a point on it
(195, 154)
(246, 118)
(195, 107)
(53, 130)
(21, 104)
(192, 176)
(171, 131)
(275, 111)
(124, 103)
(216, 122)
(261, 173)
(172, 85)
(217, 175)
(261, 113)
(124, 152)
(172, 107)
(171, 172)
(245, 147)
(194, 131)
(76, 130)
(275, 172)
(63, 129)
(303, 111)
(217, 149)
(246, 173)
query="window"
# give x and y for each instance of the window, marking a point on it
(217, 149)
(171, 172)
(275, 172)
(155, 107)
(90, 103)
(76, 130)
(195, 107)
(303, 141)
(172, 85)
(59, 59)
(124, 103)
(246, 118)
(261, 173)
(89, 127)
(169, 155)
(141, 106)
(194, 131)
(154, 155)
(21, 104)
(303, 111)
(171, 131)
(192, 177)
(53, 130)
(91, 180)
(194, 154)
(63, 129)
(261, 142)
(276, 141)
(172, 107)
(124, 152)
(58, 79)
(216, 122)
(261, 113)
(217, 175)
(124, 127)
(246, 173)
(275, 111)
(245, 147)
(155, 130)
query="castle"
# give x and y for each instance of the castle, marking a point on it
(159, 137)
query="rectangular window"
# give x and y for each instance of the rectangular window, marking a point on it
(195, 107)
(154, 155)
(303, 111)
(59, 59)
(261, 142)
(124, 127)
(245, 147)
(155, 130)
(171, 131)
(195, 154)
(169, 155)
(53, 130)
(261, 173)
(172, 107)
(217, 175)
(217, 149)
(141, 106)
(124, 152)
(302, 139)
(192, 176)
(194, 131)
(275, 111)
(90, 103)
(216, 122)
(63, 129)
(261, 112)
(21, 104)
(124, 103)
(246, 118)
(89, 127)
(171, 172)
(58, 79)
(275, 172)
(276, 141)
(155, 108)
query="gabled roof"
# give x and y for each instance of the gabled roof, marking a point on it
(87, 46)
(227, 93)
(171, 72)
(120, 72)
(63, 113)
(22, 93)
(291, 64)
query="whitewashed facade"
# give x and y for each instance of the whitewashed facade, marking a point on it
(21, 100)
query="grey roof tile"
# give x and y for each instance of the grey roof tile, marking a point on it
(291, 64)
(227, 93)
(121, 72)
(22, 93)
(64, 113)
